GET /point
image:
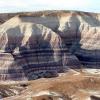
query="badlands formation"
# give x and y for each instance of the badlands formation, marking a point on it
(59, 48)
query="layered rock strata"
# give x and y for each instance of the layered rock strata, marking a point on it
(27, 48)
(33, 45)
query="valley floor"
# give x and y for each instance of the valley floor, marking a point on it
(72, 85)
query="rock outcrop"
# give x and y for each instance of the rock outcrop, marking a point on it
(48, 42)
(28, 47)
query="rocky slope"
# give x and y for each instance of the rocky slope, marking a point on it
(28, 47)
(62, 39)
(44, 44)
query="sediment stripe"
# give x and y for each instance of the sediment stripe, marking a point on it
(27, 68)
(91, 63)
(10, 71)
(89, 58)
(12, 76)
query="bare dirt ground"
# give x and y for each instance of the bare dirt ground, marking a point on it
(68, 86)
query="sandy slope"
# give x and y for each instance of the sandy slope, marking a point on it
(67, 86)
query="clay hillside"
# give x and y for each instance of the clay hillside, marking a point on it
(50, 45)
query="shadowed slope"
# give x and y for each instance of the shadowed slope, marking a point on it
(29, 48)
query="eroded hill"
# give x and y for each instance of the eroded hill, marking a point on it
(44, 44)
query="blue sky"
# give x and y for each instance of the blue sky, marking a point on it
(37, 5)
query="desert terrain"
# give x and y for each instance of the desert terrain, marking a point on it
(50, 55)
